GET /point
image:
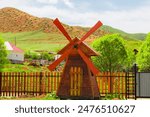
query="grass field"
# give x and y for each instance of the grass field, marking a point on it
(37, 40)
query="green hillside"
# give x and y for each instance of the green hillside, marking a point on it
(127, 36)
(37, 40)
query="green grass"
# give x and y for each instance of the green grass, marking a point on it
(22, 68)
(37, 40)
(50, 96)
(130, 44)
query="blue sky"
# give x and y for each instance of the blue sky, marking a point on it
(132, 16)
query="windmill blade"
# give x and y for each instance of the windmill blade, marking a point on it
(93, 29)
(55, 63)
(61, 28)
(88, 62)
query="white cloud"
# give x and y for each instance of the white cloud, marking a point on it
(68, 3)
(137, 20)
(13, 3)
(48, 1)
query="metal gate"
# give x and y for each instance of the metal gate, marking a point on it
(142, 85)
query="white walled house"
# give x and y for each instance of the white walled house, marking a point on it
(15, 55)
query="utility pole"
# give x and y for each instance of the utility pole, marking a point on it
(15, 41)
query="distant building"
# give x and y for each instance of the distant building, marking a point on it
(15, 54)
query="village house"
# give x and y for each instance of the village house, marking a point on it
(15, 54)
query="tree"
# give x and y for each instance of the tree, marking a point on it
(113, 54)
(3, 53)
(143, 56)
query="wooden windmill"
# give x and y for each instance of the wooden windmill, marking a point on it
(78, 79)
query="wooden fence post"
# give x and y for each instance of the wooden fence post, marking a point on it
(0, 83)
(40, 83)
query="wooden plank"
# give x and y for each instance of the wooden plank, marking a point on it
(7, 84)
(15, 76)
(30, 88)
(97, 80)
(33, 77)
(119, 83)
(10, 83)
(0, 83)
(58, 79)
(103, 83)
(36, 88)
(40, 83)
(113, 82)
(109, 78)
(25, 82)
(71, 81)
(75, 82)
(79, 80)
(123, 84)
(27, 77)
(46, 83)
(50, 80)
(55, 76)
(43, 83)
(13, 86)
(19, 82)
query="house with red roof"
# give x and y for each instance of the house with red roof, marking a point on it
(15, 54)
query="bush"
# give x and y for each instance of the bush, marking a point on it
(47, 56)
(32, 55)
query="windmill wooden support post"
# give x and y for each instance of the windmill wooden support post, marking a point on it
(78, 79)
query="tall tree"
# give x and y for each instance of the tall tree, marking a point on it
(3, 53)
(113, 54)
(143, 56)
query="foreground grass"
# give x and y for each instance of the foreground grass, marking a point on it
(22, 68)
(51, 96)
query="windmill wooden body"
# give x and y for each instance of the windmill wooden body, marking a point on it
(78, 79)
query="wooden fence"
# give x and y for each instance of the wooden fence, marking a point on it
(112, 83)
(37, 83)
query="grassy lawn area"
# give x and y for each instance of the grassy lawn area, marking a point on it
(23, 68)
(50, 96)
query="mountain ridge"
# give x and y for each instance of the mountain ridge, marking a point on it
(14, 20)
